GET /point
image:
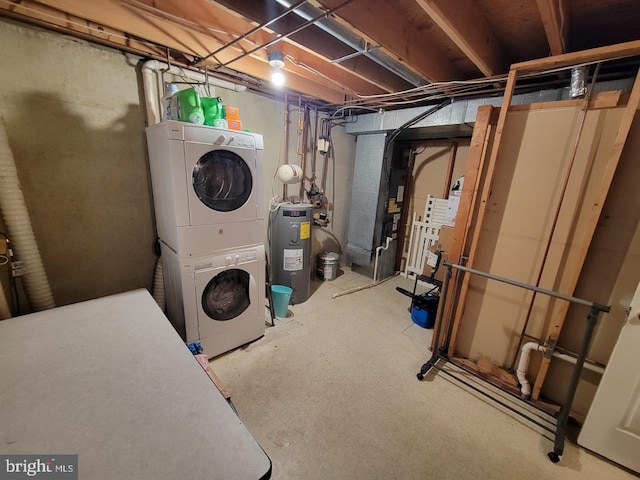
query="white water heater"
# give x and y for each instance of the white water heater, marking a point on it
(290, 243)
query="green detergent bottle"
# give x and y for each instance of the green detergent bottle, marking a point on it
(189, 106)
(213, 109)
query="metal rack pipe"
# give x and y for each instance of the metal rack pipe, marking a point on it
(440, 352)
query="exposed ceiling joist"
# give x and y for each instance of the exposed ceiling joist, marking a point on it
(466, 26)
(555, 18)
(210, 18)
(115, 14)
(366, 52)
(376, 19)
(315, 40)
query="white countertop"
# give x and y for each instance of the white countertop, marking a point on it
(111, 381)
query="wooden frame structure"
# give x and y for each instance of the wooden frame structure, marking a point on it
(481, 170)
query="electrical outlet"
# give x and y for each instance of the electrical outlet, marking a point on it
(323, 145)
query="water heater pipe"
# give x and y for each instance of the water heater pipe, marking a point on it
(285, 142)
(16, 218)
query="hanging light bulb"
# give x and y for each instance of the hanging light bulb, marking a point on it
(277, 77)
(276, 60)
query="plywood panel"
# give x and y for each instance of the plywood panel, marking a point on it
(526, 190)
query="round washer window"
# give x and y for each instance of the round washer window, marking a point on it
(222, 180)
(226, 295)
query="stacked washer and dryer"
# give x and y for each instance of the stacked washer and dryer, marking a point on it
(208, 196)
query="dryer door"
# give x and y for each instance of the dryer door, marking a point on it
(222, 184)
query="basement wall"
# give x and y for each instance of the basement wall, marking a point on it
(75, 118)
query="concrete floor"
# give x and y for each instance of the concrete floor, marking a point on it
(331, 393)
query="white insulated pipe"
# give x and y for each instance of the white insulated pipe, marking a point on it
(523, 365)
(158, 285)
(16, 218)
(378, 250)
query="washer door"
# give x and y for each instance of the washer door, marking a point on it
(222, 184)
(226, 296)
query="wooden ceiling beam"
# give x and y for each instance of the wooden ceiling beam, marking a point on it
(112, 14)
(315, 40)
(380, 21)
(555, 18)
(466, 26)
(217, 21)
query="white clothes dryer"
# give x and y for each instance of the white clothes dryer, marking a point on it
(207, 187)
(217, 300)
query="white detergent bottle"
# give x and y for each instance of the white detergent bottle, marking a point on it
(170, 109)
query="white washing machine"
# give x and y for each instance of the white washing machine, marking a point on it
(207, 187)
(217, 300)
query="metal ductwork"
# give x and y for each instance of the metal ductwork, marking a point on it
(335, 29)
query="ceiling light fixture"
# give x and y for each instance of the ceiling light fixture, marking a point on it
(276, 60)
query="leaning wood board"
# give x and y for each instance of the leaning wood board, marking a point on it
(616, 51)
(591, 219)
(486, 116)
(526, 186)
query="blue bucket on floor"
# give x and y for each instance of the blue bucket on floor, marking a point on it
(281, 296)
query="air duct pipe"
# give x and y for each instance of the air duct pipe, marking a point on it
(375, 274)
(335, 29)
(158, 285)
(16, 218)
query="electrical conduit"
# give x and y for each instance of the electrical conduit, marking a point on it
(16, 218)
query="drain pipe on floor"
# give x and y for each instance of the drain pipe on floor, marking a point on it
(375, 274)
(18, 223)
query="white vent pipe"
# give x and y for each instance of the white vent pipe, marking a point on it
(521, 373)
(16, 218)
(523, 365)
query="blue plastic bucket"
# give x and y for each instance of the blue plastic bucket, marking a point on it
(281, 296)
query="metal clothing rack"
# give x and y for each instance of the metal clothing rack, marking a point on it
(440, 352)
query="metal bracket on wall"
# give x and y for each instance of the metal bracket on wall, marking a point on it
(550, 347)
